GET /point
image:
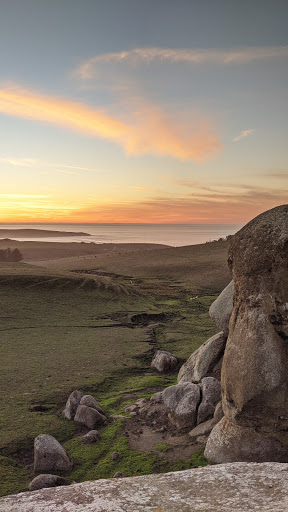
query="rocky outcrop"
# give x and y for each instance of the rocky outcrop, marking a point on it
(255, 363)
(49, 455)
(238, 487)
(164, 361)
(43, 481)
(84, 409)
(204, 360)
(221, 309)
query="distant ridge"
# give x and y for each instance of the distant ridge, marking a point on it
(37, 233)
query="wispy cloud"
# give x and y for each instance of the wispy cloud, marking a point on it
(151, 131)
(243, 134)
(136, 56)
(281, 175)
(19, 162)
(40, 164)
(24, 196)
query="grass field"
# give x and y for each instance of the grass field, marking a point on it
(62, 330)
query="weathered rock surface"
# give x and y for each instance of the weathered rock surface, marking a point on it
(203, 428)
(221, 309)
(238, 487)
(89, 417)
(43, 481)
(72, 404)
(203, 360)
(164, 361)
(218, 413)
(91, 437)
(211, 394)
(49, 455)
(229, 442)
(182, 400)
(90, 401)
(255, 363)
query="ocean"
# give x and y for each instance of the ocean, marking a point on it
(169, 234)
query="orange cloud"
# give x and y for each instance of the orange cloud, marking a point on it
(221, 207)
(151, 132)
(198, 207)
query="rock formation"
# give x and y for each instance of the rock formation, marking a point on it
(221, 309)
(234, 487)
(254, 376)
(84, 409)
(89, 416)
(206, 360)
(49, 455)
(164, 361)
(90, 401)
(72, 404)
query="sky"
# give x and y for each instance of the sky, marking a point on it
(155, 111)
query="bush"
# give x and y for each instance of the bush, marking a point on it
(8, 255)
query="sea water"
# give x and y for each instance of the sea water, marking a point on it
(169, 234)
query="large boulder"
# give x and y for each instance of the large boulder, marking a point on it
(203, 361)
(221, 309)
(43, 481)
(182, 400)
(72, 404)
(90, 401)
(89, 417)
(164, 361)
(49, 455)
(229, 442)
(211, 394)
(255, 363)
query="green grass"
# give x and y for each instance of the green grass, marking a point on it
(163, 447)
(58, 334)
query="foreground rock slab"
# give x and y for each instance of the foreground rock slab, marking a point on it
(237, 487)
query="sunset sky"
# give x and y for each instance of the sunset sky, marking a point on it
(157, 111)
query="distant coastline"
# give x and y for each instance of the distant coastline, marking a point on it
(165, 234)
(37, 233)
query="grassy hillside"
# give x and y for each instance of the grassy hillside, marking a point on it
(35, 251)
(198, 268)
(62, 330)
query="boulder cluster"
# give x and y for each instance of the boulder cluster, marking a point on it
(248, 412)
(49, 455)
(84, 409)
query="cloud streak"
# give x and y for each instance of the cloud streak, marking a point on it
(234, 206)
(243, 134)
(190, 56)
(150, 132)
